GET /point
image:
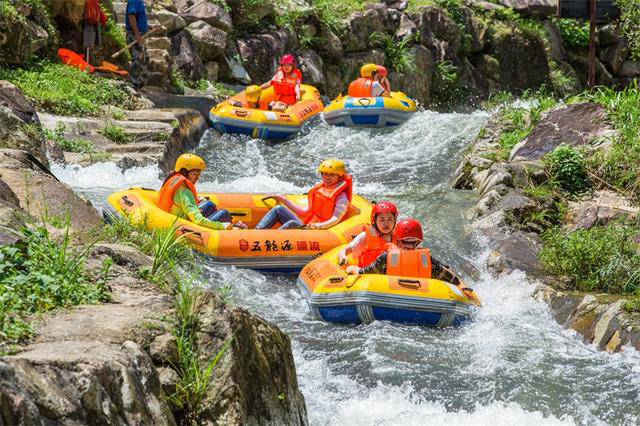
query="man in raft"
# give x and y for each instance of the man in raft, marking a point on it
(286, 84)
(373, 239)
(328, 202)
(367, 86)
(407, 260)
(178, 195)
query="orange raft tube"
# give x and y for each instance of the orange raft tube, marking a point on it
(269, 250)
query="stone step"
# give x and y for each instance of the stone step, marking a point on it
(162, 43)
(139, 148)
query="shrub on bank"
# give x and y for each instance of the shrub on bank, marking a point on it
(568, 168)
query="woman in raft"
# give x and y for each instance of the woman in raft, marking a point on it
(328, 202)
(286, 84)
(179, 197)
(373, 239)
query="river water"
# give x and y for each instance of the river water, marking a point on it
(512, 365)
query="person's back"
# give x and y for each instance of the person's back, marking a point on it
(366, 85)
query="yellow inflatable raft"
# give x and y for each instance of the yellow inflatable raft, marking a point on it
(369, 112)
(337, 297)
(270, 250)
(262, 123)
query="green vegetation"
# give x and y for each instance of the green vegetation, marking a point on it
(598, 259)
(629, 25)
(64, 90)
(328, 13)
(568, 168)
(66, 144)
(575, 34)
(397, 54)
(116, 133)
(40, 274)
(113, 32)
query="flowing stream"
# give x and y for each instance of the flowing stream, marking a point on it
(512, 365)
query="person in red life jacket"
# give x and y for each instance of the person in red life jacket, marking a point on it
(286, 83)
(251, 98)
(366, 86)
(373, 240)
(328, 202)
(178, 196)
(381, 77)
(406, 259)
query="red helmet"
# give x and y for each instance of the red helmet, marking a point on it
(383, 207)
(287, 60)
(382, 71)
(407, 228)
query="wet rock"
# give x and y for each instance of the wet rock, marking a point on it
(329, 44)
(614, 56)
(515, 74)
(16, 134)
(260, 53)
(417, 83)
(630, 69)
(604, 207)
(361, 26)
(575, 125)
(608, 35)
(563, 305)
(164, 350)
(311, 66)
(209, 41)
(495, 262)
(248, 13)
(496, 175)
(185, 56)
(532, 7)
(399, 5)
(171, 21)
(169, 380)
(519, 249)
(255, 380)
(12, 98)
(211, 13)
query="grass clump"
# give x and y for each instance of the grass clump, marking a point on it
(599, 259)
(575, 34)
(396, 52)
(66, 144)
(568, 168)
(629, 25)
(40, 274)
(116, 133)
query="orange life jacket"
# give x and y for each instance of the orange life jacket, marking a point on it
(408, 263)
(322, 200)
(374, 246)
(170, 186)
(361, 88)
(286, 88)
(71, 58)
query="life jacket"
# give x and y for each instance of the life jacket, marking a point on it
(322, 200)
(286, 88)
(73, 59)
(408, 263)
(361, 88)
(169, 188)
(93, 13)
(374, 245)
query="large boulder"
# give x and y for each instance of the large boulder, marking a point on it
(171, 21)
(604, 207)
(185, 56)
(328, 44)
(351, 63)
(614, 55)
(361, 25)
(630, 69)
(311, 66)
(209, 12)
(532, 7)
(19, 39)
(260, 53)
(209, 41)
(575, 125)
(41, 194)
(516, 74)
(247, 13)
(416, 82)
(17, 134)
(67, 11)
(443, 27)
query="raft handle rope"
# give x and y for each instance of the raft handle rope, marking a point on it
(362, 99)
(334, 280)
(354, 281)
(264, 199)
(413, 284)
(127, 201)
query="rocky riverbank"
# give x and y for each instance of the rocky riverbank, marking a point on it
(522, 204)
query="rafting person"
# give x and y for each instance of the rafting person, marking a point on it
(328, 202)
(374, 238)
(286, 84)
(381, 77)
(178, 196)
(251, 98)
(366, 86)
(405, 259)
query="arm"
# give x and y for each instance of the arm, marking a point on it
(379, 266)
(443, 272)
(340, 209)
(266, 85)
(353, 247)
(133, 22)
(184, 198)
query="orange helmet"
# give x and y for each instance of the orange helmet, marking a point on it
(407, 228)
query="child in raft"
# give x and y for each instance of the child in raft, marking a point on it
(286, 84)
(381, 77)
(251, 98)
(328, 202)
(373, 240)
(406, 259)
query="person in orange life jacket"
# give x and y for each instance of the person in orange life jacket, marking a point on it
(251, 98)
(366, 86)
(286, 83)
(381, 77)
(328, 202)
(406, 259)
(373, 240)
(178, 196)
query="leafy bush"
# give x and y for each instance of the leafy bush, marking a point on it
(69, 145)
(39, 275)
(574, 34)
(396, 51)
(116, 133)
(64, 90)
(568, 168)
(629, 25)
(598, 259)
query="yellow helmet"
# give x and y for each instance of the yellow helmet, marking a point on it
(190, 162)
(367, 70)
(332, 166)
(252, 93)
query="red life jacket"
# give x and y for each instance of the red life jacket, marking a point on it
(361, 88)
(286, 89)
(93, 13)
(170, 186)
(322, 200)
(408, 263)
(374, 245)
(73, 59)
